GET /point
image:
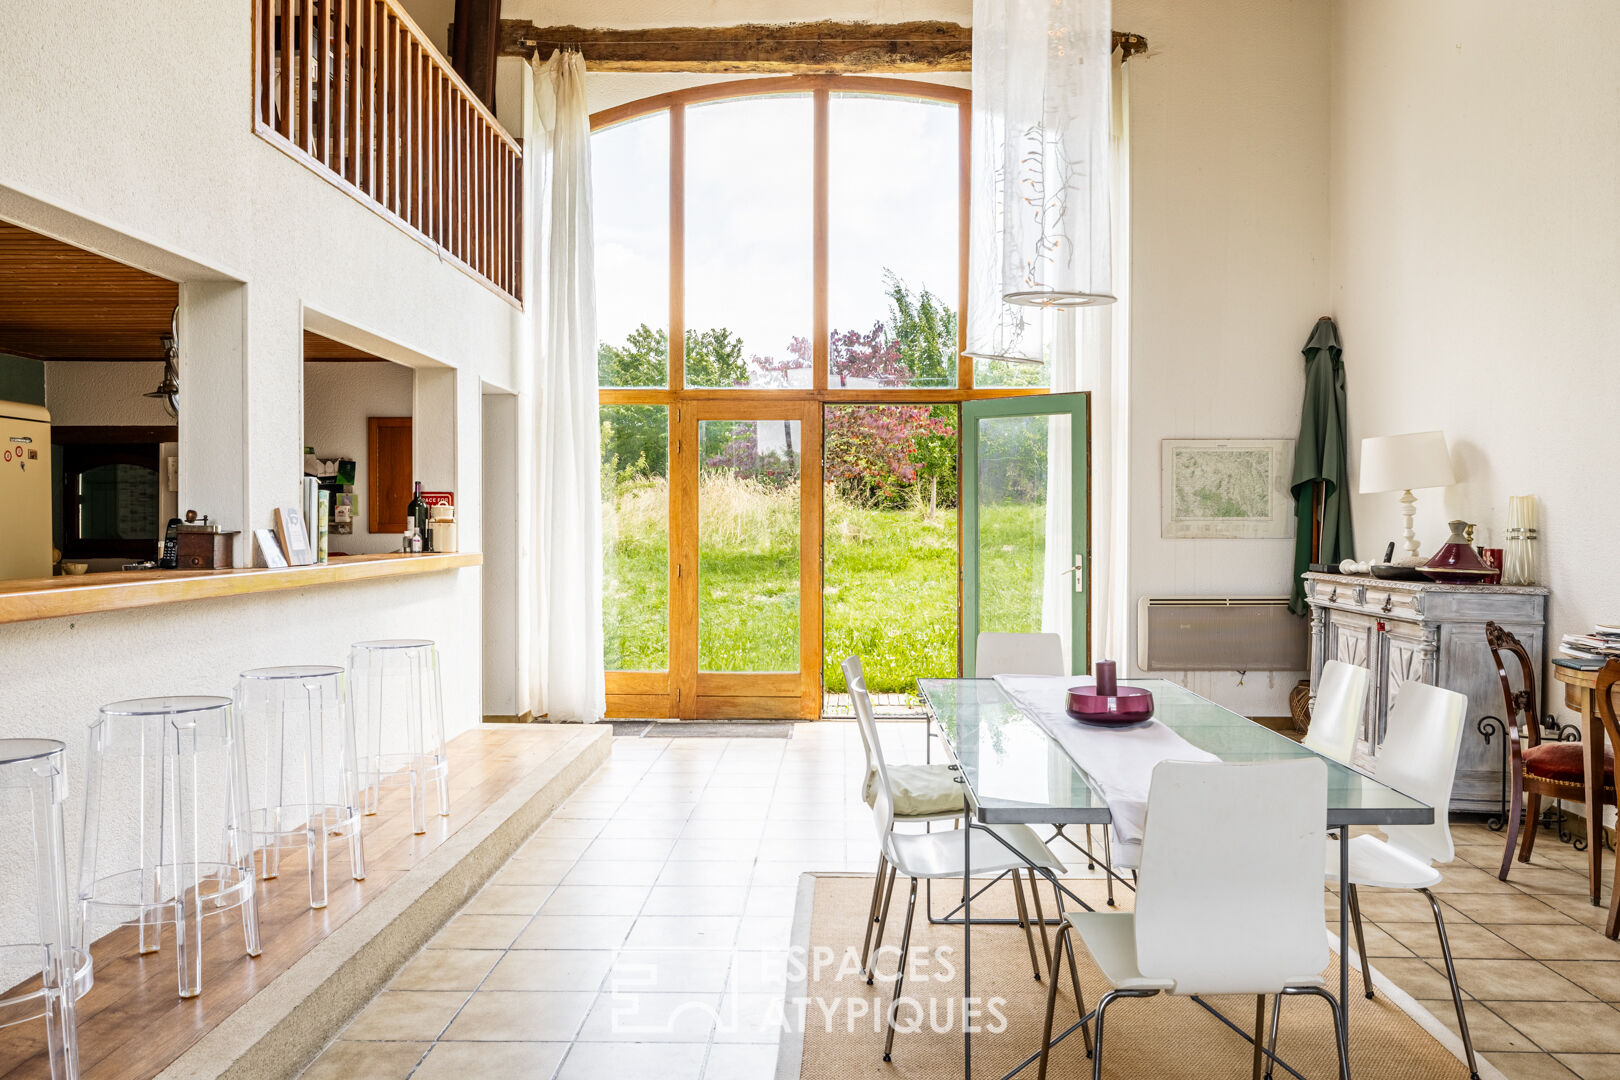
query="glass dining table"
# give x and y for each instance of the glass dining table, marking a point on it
(1015, 773)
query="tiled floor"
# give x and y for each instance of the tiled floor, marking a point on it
(643, 931)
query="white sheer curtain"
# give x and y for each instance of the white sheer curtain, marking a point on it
(1090, 350)
(566, 541)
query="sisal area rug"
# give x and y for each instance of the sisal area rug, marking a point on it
(1391, 1037)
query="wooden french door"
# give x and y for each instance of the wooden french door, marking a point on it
(745, 594)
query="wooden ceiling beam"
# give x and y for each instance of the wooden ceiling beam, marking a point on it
(766, 48)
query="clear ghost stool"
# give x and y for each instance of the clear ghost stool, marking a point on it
(399, 721)
(33, 782)
(165, 825)
(311, 782)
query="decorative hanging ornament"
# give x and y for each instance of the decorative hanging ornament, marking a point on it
(1042, 108)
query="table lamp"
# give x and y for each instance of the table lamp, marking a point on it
(1402, 463)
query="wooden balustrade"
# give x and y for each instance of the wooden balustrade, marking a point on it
(354, 89)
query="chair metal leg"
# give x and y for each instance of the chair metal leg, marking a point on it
(1259, 1032)
(1023, 921)
(1108, 862)
(1361, 943)
(1456, 991)
(1091, 863)
(1340, 1035)
(900, 972)
(1271, 1044)
(872, 912)
(1040, 919)
(883, 919)
(1074, 971)
(1051, 999)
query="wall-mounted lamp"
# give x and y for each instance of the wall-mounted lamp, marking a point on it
(168, 390)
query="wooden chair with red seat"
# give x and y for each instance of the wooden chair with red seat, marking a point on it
(1553, 769)
(1607, 678)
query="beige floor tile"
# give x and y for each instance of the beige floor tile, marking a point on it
(508, 1016)
(670, 970)
(575, 932)
(1580, 908)
(554, 847)
(1560, 941)
(1475, 942)
(1488, 1030)
(761, 933)
(508, 900)
(506, 1060)
(1391, 905)
(1565, 1026)
(1599, 977)
(741, 1061)
(532, 872)
(707, 873)
(645, 849)
(713, 849)
(696, 900)
(678, 932)
(1507, 906)
(750, 1018)
(479, 932)
(1592, 1066)
(551, 969)
(635, 809)
(1379, 942)
(634, 1061)
(574, 827)
(596, 900)
(405, 1016)
(1530, 1066)
(643, 1017)
(613, 873)
(738, 829)
(1547, 880)
(446, 969)
(642, 828)
(1522, 980)
(344, 1060)
(1417, 977)
(1458, 878)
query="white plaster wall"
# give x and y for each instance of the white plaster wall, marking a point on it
(338, 399)
(148, 155)
(1229, 163)
(1474, 266)
(92, 392)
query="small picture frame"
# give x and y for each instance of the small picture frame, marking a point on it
(270, 548)
(293, 533)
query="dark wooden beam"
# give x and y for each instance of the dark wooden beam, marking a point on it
(474, 38)
(765, 48)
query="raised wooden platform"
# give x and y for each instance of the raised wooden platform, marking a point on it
(270, 1016)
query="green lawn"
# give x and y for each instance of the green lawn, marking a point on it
(889, 590)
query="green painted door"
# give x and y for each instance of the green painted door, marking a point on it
(1026, 521)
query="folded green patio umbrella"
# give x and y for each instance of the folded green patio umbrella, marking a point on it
(1319, 457)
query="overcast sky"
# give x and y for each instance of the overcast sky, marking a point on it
(892, 200)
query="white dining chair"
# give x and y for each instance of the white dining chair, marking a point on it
(928, 856)
(1018, 654)
(1200, 925)
(920, 793)
(1341, 697)
(1418, 758)
(1037, 654)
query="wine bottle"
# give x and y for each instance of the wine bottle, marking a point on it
(416, 513)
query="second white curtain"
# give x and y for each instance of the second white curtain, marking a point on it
(566, 636)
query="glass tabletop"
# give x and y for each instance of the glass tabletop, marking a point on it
(1015, 772)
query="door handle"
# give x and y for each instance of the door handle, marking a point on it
(1079, 572)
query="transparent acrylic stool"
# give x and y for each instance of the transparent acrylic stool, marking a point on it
(165, 825)
(33, 782)
(399, 719)
(310, 790)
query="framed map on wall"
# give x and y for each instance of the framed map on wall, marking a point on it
(1226, 489)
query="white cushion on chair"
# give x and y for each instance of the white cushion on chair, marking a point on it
(918, 790)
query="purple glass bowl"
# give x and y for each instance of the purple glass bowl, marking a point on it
(1131, 705)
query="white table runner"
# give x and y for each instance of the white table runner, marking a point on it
(1119, 761)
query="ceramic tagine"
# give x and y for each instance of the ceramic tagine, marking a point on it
(1457, 563)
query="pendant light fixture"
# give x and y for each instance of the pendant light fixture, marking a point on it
(1042, 108)
(168, 389)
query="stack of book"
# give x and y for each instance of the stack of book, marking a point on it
(1602, 643)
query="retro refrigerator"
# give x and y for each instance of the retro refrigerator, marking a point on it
(25, 491)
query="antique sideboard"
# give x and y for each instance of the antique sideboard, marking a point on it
(1402, 631)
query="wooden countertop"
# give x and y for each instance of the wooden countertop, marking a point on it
(54, 597)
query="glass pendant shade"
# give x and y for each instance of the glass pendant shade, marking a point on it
(1039, 204)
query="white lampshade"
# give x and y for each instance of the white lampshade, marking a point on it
(1405, 462)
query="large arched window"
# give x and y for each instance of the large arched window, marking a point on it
(780, 266)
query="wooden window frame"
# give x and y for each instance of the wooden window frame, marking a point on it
(688, 694)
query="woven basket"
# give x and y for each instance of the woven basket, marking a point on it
(1299, 706)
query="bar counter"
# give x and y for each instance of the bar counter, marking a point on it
(54, 597)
